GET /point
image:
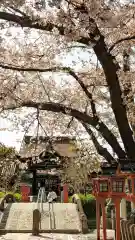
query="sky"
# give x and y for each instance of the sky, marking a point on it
(8, 137)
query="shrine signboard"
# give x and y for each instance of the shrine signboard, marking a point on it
(45, 165)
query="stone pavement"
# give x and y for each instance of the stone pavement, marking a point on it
(62, 216)
(90, 236)
(66, 216)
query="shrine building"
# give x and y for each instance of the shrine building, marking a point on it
(42, 159)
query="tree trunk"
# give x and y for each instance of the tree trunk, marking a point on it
(110, 68)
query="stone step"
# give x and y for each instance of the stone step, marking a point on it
(19, 217)
(66, 216)
(5, 216)
(57, 217)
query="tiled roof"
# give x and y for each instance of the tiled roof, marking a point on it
(32, 147)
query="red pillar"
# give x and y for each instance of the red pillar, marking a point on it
(25, 191)
(117, 208)
(98, 218)
(103, 219)
(65, 193)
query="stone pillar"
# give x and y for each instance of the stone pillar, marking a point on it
(36, 222)
(123, 209)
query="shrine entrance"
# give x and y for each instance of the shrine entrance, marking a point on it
(48, 181)
(45, 174)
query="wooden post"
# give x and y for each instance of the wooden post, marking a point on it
(103, 218)
(98, 218)
(117, 207)
(65, 193)
(34, 187)
(36, 222)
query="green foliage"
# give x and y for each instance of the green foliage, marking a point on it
(70, 199)
(17, 196)
(89, 205)
(6, 151)
(2, 194)
(86, 198)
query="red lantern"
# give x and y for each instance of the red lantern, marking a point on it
(117, 186)
(101, 187)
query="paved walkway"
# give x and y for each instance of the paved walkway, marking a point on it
(91, 236)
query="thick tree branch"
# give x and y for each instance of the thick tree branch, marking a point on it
(111, 138)
(80, 116)
(26, 21)
(101, 150)
(56, 69)
(85, 89)
(110, 67)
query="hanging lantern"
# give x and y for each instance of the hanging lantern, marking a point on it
(117, 186)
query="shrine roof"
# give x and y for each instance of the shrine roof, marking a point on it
(33, 147)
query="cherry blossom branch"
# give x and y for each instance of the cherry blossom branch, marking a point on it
(26, 21)
(122, 40)
(56, 69)
(80, 116)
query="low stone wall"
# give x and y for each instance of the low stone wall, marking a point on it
(83, 218)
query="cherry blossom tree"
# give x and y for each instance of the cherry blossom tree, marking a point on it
(98, 98)
(8, 167)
